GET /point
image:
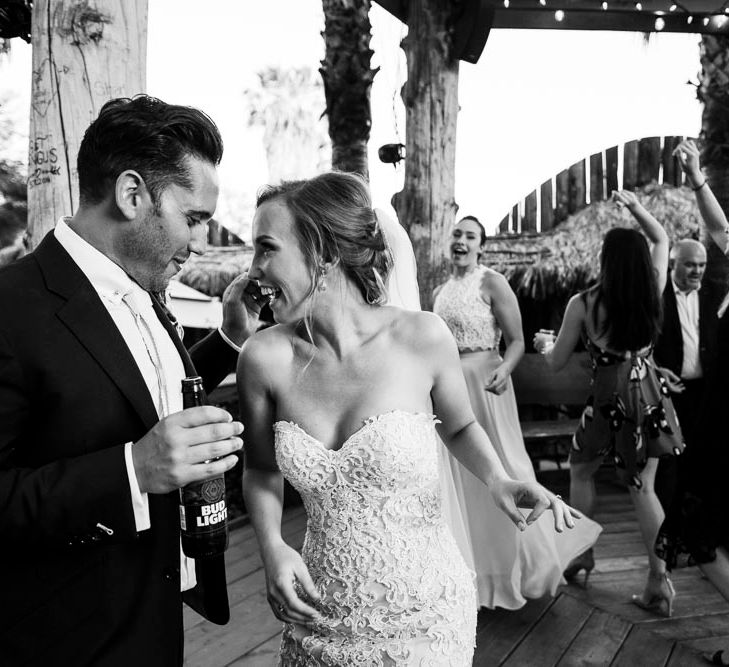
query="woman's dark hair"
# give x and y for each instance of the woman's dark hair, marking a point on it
(334, 221)
(628, 291)
(148, 136)
(480, 226)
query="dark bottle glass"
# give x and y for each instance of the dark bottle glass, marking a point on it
(203, 512)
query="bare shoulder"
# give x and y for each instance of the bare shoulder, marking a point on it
(493, 281)
(266, 350)
(420, 329)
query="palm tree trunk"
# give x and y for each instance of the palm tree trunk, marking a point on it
(713, 92)
(426, 205)
(347, 78)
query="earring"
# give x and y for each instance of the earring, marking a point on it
(322, 283)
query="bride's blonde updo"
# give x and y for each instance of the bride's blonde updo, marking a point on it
(335, 222)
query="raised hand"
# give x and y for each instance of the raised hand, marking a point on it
(288, 581)
(187, 446)
(625, 198)
(510, 495)
(687, 153)
(241, 309)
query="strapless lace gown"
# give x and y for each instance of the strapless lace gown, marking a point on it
(510, 566)
(395, 589)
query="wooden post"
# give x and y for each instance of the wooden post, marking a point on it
(83, 55)
(530, 213)
(515, 219)
(503, 227)
(597, 190)
(547, 212)
(649, 160)
(563, 196)
(611, 170)
(671, 169)
(630, 165)
(576, 200)
(426, 205)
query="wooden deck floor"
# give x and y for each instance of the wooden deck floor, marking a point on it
(593, 626)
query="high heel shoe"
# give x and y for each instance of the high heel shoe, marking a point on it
(585, 561)
(657, 596)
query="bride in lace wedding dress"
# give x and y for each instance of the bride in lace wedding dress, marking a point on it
(343, 397)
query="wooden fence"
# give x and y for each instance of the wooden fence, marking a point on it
(594, 179)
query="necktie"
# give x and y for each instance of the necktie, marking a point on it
(161, 400)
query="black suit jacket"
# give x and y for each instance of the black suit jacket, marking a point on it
(71, 395)
(668, 351)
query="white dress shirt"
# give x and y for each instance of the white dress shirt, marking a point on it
(157, 362)
(687, 304)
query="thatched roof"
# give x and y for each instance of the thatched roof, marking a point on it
(558, 263)
(216, 269)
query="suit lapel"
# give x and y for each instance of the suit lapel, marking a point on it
(85, 316)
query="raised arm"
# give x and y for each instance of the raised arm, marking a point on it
(263, 485)
(506, 309)
(652, 229)
(710, 209)
(467, 440)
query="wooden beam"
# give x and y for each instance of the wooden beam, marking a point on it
(597, 188)
(547, 212)
(530, 213)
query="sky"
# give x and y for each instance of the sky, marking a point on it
(536, 102)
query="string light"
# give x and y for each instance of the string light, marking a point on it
(558, 15)
(506, 4)
(660, 24)
(706, 21)
(543, 2)
(673, 8)
(605, 5)
(690, 20)
(639, 7)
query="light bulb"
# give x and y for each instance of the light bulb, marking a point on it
(639, 7)
(660, 24)
(690, 20)
(604, 5)
(558, 15)
(672, 8)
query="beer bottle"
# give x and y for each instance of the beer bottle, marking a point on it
(203, 512)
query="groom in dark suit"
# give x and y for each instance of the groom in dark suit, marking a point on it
(93, 441)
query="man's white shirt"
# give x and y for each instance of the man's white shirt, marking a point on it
(687, 304)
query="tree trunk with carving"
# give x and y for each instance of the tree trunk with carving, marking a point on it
(426, 205)
(713, 92)
(347, 78)
(84, 54)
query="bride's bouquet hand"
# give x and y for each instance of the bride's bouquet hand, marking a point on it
(510, 495)
(289, 584)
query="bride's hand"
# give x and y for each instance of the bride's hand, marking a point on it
(510, 495)
(285, 573)
(496, 383)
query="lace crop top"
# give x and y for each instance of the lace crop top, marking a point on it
(467, 315)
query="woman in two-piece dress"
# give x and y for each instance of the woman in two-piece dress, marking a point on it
(628, 414)
(478, 305)
(342, 397)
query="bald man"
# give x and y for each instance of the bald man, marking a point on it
(687, 344)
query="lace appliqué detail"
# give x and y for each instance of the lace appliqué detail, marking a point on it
(395, 589)
(460, 304)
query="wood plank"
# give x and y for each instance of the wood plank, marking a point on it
(577, 194)
(691, 627)
(546, 215)
(265, 655)
(504, 225)
(671, 168)
(251, 624)
(709, 645)
(643, 648)
(552, 634)
(682, 656)
(562, 186)
(649, 160)
(597, 642)
(597, 187)
(500, 631)
(529, 224)
(630, 165)
(611, 171)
